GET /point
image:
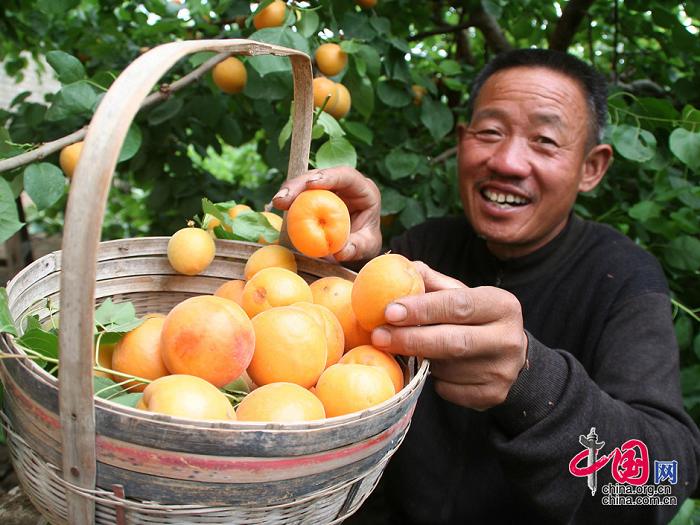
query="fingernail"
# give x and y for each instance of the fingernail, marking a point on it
(281, 194)
(381, 337)
(395, 312)
(315, 178)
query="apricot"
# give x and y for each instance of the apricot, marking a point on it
(331, 59)
(290, 347)
(380, 282)
(138, 354)
(282, 402)
(342, 103)
(318, 223)
(186, 396)
(322, 88)
(418, 93)
(238, 209)
(208, 337)
(271, 287)
(369, 355)
(269, 256)
(333, 331)
(230, 75)
(275, 221)
(347, 388)
(366, 4)
(271, 16)
(335, 294)
(232, 290)
(105, 359)
(191, 250)
(69, 156)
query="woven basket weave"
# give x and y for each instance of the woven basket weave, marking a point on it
(87, 460)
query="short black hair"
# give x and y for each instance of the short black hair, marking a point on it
(593, 83)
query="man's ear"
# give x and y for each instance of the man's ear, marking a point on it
(594, 166)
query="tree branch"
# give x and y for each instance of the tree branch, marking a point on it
(484, 22)
(157, 97)
(568, 23)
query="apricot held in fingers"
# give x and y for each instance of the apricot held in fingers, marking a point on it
(380, 282)
(318, 223)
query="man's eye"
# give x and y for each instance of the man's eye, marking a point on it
(546, 141)
(488, 133)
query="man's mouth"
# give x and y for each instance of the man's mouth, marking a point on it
(504, 199)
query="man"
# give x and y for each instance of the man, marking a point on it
(554, 366)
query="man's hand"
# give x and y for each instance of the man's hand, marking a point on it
(473, 337)
(360, 195)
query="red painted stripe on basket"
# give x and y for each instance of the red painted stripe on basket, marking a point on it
(222, 469)
(34, 408)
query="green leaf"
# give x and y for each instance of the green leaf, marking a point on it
(116, 317)
(44, 183)
(371, 58)
(308, 23)
(683, 253)
(492, 8)
(362, 94)
(634, 143)
(685, 513)
(684, 331)
(74, 100)
(450, 67)
(401, 163)
(132, 143)
(68, 68)
(165, 111)
(355, 26)
(360, 132)
(43, 342)
(381, 25)
(7, 325)
(251, 226)
(436, 117)
(285, 133)
(330, 125)
(337, 151)
(281, 36)
(412, 214)
(392, 201)
(696, 345)
(350, 46)
(645, 210)
(105, 388)
(394, 94)
(56, 7)
(9, 217)
(686, 146)
(129, 400)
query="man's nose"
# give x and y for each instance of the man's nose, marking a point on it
(511, 158)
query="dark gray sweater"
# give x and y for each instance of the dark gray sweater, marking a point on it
(602, 354)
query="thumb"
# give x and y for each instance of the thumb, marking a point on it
(435, 280)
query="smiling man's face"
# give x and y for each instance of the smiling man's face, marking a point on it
(524, 157)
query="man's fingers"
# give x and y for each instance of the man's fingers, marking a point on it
(445, 341)
(362, 244)
(435, 280)
(471, 306)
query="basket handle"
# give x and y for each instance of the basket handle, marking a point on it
(83, 223)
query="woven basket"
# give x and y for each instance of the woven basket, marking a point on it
(86, 460)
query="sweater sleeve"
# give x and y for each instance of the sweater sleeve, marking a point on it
(631, 391)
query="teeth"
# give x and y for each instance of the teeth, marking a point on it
(502, 198)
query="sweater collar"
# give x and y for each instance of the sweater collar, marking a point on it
(542, 261)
